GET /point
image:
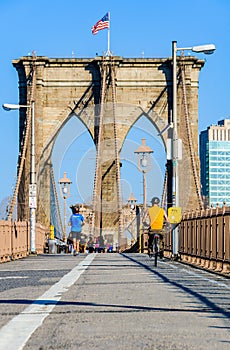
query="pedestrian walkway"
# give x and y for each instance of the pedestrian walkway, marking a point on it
(114, 301)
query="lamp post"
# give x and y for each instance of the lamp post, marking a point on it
(207, 49)
(144, 165)
(32, 186)
(65, 193)
(132, 213)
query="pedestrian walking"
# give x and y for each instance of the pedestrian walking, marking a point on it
(76, 222)
(82, 243)
(91, 244)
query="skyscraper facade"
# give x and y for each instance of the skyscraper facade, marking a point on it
(215, 163)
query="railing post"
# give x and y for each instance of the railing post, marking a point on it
(207, 241)
(219, 243)
(226, 243)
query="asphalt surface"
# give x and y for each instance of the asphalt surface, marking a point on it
(111, 301)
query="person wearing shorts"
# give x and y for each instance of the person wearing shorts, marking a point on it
(76, 222)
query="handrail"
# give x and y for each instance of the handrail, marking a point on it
(204, 239)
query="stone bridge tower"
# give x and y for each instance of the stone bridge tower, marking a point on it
(67, 87)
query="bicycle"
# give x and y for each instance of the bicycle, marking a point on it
(154, 248)
(156, 242)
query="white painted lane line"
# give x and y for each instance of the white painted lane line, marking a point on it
(15, 334)
(13, 277)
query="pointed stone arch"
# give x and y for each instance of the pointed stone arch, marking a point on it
(73, 85)
(45, 164)
(144, 127)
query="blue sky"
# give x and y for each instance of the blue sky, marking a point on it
(58, 29)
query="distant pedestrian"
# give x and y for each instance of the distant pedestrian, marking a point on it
(91, 244)
(70, 245)
(76, 222)
(83, 243)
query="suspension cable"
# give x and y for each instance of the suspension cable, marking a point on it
(25, 143)
(56, 199)
(190, 143)
(98, 170)
(164, 193)
(117, 159)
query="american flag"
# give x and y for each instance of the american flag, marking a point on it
(101, 24)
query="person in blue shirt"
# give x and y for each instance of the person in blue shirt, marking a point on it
(76, 222)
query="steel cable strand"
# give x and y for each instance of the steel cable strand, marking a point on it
(164, 194)
(131, 226)
(21, 167)
(56, 199)
(24, 147)
(117, 161)
(194, 168)
(97, 176)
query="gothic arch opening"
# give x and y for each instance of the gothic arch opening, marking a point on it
(73, 152)
(131, 177)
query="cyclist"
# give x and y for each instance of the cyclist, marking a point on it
(156, 216)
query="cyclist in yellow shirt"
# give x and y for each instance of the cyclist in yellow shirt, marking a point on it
(157, 217)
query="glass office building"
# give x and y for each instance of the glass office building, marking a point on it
(215, 163)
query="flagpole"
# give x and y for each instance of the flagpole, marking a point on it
(108, 51)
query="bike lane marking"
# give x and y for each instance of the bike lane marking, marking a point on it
(13, 277)
(15, 334)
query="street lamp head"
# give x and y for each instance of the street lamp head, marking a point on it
(143, 148)
(65, 186)
(144, 161)
(65, 190)
(12, 107)
(64, 180)
(143, 153)
(9, 107)
(207, 49)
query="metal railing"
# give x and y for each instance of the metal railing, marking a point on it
(204, 239)
(15, 239)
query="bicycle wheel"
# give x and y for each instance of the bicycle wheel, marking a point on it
(155, 249)
(150, 246)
